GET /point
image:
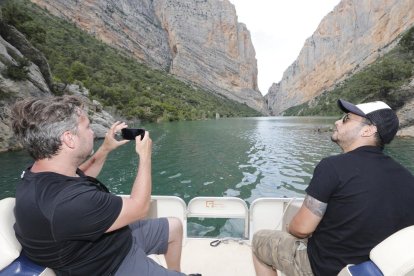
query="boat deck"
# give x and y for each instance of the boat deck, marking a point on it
(229, 258)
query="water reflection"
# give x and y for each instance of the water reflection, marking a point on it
(283, 155)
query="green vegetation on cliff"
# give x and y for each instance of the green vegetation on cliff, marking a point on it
(382, 80)
(113, 78)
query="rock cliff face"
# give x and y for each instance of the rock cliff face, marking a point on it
(406, 113)
(33, 86)
(14, 48)
(196, 40)
(352, 36)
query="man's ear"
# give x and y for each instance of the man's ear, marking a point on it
(369, 131)
(67, 139)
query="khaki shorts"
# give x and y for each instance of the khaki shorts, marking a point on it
(282, 251)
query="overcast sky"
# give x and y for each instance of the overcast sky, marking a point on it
(279, 29)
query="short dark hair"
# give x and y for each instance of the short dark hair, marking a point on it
(40, 122)
(378, 140)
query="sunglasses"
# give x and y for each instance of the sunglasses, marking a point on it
(346, 118)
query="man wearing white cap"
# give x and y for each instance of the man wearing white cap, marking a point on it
(353, 202)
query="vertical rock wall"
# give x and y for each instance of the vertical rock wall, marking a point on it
(352, 36)
(199, 41)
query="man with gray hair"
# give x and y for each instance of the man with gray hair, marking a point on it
(354, 201)
(65, 218)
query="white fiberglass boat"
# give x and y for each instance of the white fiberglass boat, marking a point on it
(230, 256)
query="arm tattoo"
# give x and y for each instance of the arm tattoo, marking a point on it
(315, 206)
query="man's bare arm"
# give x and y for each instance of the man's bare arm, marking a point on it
(94, 164)
(308, 217)
(317, 207)
(137, 205)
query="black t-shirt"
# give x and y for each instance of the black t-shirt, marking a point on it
(369, 197)
(61, 223)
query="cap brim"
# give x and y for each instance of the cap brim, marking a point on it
(349, 107)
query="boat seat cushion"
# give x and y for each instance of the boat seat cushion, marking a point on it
(392, 255)
(9, 246)
(22, 266)
(367, 268)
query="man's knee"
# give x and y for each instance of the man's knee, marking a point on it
(281, 251)
(270, 245)
(262, 246)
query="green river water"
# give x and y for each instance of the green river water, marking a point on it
(243, 157)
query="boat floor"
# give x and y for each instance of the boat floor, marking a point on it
(229, 258)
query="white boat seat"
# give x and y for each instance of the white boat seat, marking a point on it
(169, 206)
(11, 261)
(392, 256)
(10, 248)
(272, 213)
(219, 207)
